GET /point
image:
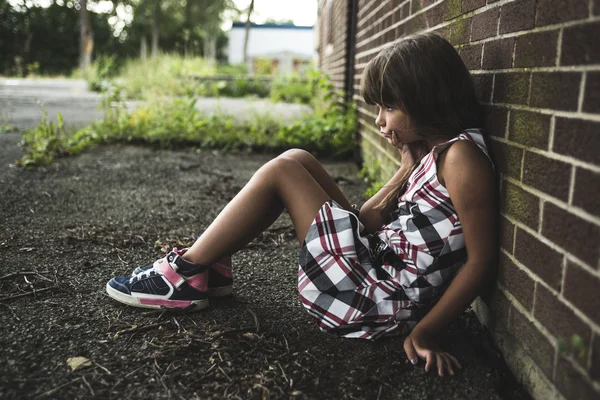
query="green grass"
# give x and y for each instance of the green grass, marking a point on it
(328, 130)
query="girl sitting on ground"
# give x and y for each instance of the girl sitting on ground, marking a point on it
(397, 265)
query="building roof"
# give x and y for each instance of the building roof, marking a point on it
(270, 26)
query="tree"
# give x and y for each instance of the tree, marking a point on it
(247, 31)
(86, 36)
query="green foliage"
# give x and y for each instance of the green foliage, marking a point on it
(165, 75)
(238, 87)
(370, 175)
(103, 69)
(576, 348)
(328, 131)
(294, 89)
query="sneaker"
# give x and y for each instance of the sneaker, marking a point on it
(220, 277)
(176, 284)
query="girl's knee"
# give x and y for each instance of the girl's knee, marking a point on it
(278, 168)
(299, 155)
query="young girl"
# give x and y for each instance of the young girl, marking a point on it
(397, 265)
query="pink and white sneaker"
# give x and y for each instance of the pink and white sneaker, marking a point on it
(175, 283)
(220, 275)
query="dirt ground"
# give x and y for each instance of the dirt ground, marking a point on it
(68, 228)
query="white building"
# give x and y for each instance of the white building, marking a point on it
(286, 47)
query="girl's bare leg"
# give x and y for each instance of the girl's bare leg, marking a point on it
(314, 167)
(282, 183)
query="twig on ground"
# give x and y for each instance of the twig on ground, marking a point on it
(283, 372)
(98, 365)
(25, 273)
(12, 311)
(225, 373)
(52, 391)
(88, 386)
(255, 320)
(136, 328)
(34, 292)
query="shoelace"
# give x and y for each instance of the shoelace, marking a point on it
(142, 275)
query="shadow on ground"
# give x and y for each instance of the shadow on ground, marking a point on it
(68, 228)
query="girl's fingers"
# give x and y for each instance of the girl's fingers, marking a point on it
(441, 364)
(411, 353)
(429, 361)
(448, 363)
(454, 360)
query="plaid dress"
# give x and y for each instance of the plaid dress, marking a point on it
(361, 285)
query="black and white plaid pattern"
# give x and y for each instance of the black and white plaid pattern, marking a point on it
(365, 286)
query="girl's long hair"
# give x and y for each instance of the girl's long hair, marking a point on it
(424, 76)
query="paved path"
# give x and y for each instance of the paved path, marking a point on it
(21, 103)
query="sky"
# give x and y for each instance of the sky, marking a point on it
(302, 12)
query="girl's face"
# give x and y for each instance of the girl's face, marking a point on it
(392, 120)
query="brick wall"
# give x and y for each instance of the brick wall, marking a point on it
(333, 29)
(536, 66)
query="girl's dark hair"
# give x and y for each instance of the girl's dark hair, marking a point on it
(424, 76)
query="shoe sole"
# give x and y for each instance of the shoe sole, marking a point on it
(188, 305)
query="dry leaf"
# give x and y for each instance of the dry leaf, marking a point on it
(78, 362)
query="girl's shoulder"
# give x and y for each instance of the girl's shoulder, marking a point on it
(464, 153)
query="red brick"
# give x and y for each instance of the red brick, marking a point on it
(435, 15)
(521, 205)
(471, 56)
(574, 234)
(580, 45)
(578, 139)
(572, 384)
(451, 9)
(470, 5)
(483, 86)
(511, 88)
(548, 175)
(461, 31)
(581, 289)
(517, 16)
(507, 159)
(554, 12)
(559, 319)
(591, 101)
(516, 281)
(540, 258)
(498, 54)
(533, 341)
(556, 90)
(587, 191)
(485, 25)
(507, 234)
(595, 367)
(529, 129)
(536, 49)
(495, 121)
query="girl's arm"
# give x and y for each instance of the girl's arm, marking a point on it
(370, 212)
(469, 178)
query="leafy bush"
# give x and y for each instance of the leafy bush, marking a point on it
(103, 69)
(238, 87)
(294, 89)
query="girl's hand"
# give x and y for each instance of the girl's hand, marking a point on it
(418, 346)
(410, 152)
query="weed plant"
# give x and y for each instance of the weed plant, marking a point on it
(328, 131)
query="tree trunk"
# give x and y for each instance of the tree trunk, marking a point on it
(247, 35)
(86, 37)
(143, 48)
(155, 27)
